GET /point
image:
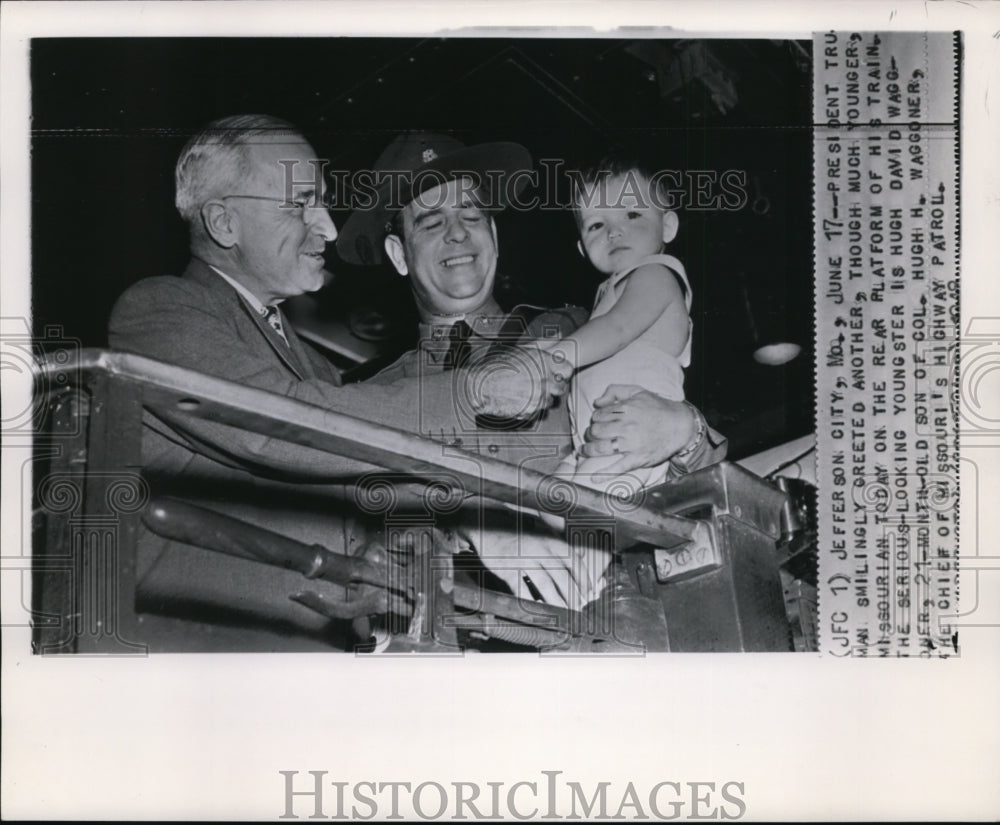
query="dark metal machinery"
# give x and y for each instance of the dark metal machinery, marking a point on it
(696, 567)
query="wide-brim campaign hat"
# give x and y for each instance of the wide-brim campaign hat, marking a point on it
(415, 162)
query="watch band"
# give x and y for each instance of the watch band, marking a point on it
(700, 429)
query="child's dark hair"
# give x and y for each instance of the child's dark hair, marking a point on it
(611, 165)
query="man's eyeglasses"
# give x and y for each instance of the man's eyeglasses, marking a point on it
(324, 201)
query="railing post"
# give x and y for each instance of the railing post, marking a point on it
(91, 500)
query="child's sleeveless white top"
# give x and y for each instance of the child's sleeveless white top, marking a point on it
(645, 362)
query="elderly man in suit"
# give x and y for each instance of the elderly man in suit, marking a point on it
(256, 240)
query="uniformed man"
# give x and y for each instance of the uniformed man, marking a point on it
(431, 218)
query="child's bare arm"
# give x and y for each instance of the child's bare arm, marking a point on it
(649, 292)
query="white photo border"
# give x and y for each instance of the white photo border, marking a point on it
(810, 738)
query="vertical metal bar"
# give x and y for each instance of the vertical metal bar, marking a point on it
(58, 493)
(105, 530)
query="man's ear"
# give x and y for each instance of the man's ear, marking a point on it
(394, 251)
(221, 225)
(670, 224)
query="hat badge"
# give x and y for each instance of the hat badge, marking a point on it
(429, 155)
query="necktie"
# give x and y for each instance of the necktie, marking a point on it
(274, 319)
(459, 350)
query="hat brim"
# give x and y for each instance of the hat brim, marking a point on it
(360, 241)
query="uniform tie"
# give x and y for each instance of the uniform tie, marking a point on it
(459, 350)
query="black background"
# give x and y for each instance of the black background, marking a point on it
(109, 117)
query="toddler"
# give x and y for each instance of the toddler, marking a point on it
(639, 331)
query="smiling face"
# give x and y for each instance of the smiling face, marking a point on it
(279, 243)
(620, 222)
(448, 250)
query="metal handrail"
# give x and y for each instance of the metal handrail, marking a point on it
(185, 392)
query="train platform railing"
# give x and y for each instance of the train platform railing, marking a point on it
(696, 565)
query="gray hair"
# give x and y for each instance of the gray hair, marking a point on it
(218, 158)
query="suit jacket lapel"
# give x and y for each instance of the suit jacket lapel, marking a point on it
(231, 299)
(307, 358)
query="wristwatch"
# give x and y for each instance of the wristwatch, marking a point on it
(699, 435)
